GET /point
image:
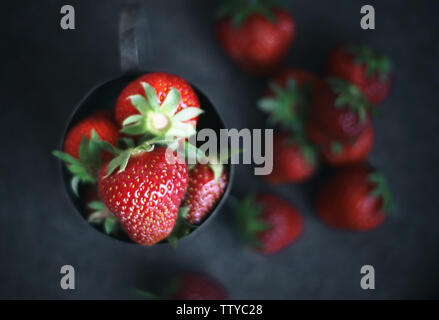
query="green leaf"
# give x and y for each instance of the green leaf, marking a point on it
(181, 130)
(375, 62)
(132, 119)
(192, 154)
(187, 114)
(268, 104)
(124, 161)
(75, 185)
(65, 157)
(95, 146)
(336, 148)
(120, 161)
(128, 142)
(382, 190)
(135, 129)
(109, 147)
(140, 103)
(151, 95)
(97, 205)
(145, 294)
(181, 228)
(248, 220)
(171, 102)
(217, 169)
(110, 225)
(83, 149)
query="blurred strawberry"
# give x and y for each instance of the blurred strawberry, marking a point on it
(288, 97)
(364, 67)
(339, 154)
(268, 223)
(339, 111)
(256, 34)
(356, 198)
(189, 286)
(293, 160)
(194, 286)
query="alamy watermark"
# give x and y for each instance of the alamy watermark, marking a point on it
(230, 146)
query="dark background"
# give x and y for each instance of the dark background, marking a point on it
(46, 71)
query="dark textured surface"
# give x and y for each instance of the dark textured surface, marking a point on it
(46, 71)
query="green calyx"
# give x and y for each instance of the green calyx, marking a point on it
(146, 294)
(183, 148)
(102, 216)
(123, 156)
(181, 228)
(217, 169)
(348, 95)
(154, 120)
(308, 149)
(382, 190)
(240, 10)
(336, 148)
(248, 220)
(375, 62)
(86, 168)
(287, 108)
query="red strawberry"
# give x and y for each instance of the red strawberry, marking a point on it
(369, 70)
(189, 286)
(145, 193)
(339, 110)
(85, 148)
(288, 97)
(293, 161)
(153, 104)
(206, 186)
(255, 34)
(268, 222)
(315, 134)
(357, 198)
(338, 154)
(101, 122)
(301, 77)
(194, 286)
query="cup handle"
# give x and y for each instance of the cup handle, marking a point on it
(129, 58)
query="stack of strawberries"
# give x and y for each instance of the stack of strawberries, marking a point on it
(317, 119)
(130, 166)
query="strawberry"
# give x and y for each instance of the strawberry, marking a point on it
(146, 192)
(255, 34)
(158, 104)
(189, 286)
(339, 110)
(92, 152)
(194, 286)
(356, 198)
(287, 104)
(268, 223)
(338, 154)
(288, 97)
(364, 67)
(301, 77)
(293, 160)
(207, 183)
(101, 122)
